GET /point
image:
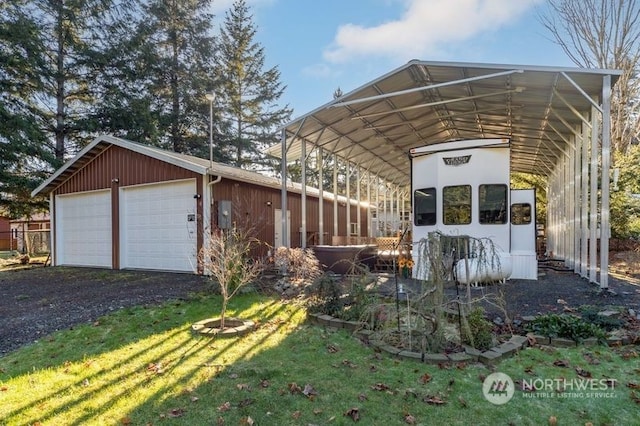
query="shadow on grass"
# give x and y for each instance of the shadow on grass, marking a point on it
(90, 381)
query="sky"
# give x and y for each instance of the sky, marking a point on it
(320, 45)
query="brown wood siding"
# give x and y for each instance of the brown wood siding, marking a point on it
(128, 167)
(5, 233)
(250, 208)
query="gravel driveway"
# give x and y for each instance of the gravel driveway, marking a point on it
(38, 301)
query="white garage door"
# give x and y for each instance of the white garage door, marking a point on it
(83, 229)
(158, 227)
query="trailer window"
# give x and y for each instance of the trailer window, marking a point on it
(456, 205)
(520, 214)
(424, 209)
(493, 204)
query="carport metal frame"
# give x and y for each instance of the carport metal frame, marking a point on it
(557, 119)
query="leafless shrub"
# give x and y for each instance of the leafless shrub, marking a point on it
(226, 257)
(300, 264)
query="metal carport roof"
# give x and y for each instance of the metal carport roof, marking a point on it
(422, 103)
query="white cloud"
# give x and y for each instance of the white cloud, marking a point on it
(426, 26)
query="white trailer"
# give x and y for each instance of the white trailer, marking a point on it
(462, 188)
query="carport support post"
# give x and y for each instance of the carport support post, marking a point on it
(320, 197)
(283, 202)
(335, 196)
(358, 218)
(303, 201)
(348, 208)
(606, 163)
(584, 221)
(593, 201)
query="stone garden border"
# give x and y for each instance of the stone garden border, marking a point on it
(488, 357)
(234, 327)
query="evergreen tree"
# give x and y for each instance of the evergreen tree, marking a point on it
(69, 34)
(23, 157)
(170, 74)
(249, 95)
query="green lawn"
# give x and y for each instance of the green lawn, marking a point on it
(143, 366)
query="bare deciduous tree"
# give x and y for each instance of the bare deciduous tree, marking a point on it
(604, 34)
(227, 258)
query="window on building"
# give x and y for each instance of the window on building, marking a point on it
(424, 211)
(456, 205)
(493, 204)
(520, 214)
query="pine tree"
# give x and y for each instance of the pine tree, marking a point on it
(171, 72)
(23, 156)
(249, 95)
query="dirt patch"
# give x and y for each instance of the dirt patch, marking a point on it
(38, 301)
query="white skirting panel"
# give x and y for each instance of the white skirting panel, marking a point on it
(524, 266)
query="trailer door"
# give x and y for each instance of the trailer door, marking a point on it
(523, 234)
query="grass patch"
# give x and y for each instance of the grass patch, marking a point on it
(143, 366)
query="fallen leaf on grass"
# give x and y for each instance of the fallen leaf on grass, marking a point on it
(583, 373)
(380, 387)
(362, 397)
(264, 383)
(349, 364)
(225, 407)
(309, 391)
(125, 421)
(561, 363)
(317, 411)
(461, 365)
(176, 412)
(4, 388)
(628, 354)
(553, 421)
(294, 388)
(243, 386)
(591, 359)
(354, 413)
(635, 398)
(632, 385)
(332, 349)
(296, 414)
(425, 378)
(220, 421)
(409, 419)
(433, 400)
(246, 421)
(155, 368)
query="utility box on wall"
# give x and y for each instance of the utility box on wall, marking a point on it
(224, 214)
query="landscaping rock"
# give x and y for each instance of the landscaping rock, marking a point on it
(410, 355)
(435, 358)
(560, 342)
(490, 357)
(519, 341)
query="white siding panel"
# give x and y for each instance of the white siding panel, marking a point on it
(83, 229)
(156, 230)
